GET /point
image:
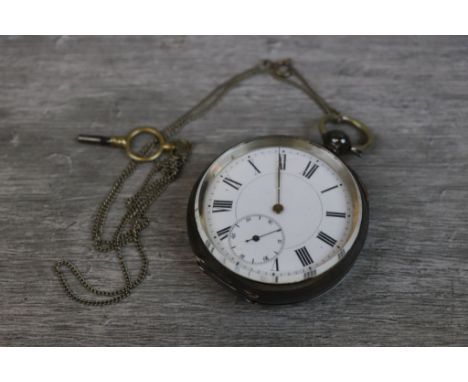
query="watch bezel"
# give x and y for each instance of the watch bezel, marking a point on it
(273, 293)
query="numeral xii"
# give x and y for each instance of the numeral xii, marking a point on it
(282, 161)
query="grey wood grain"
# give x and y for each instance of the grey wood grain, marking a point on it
(410, 283)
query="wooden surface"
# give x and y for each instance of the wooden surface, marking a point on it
(408, 287)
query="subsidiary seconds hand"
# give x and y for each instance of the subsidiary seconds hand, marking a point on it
(278, 207)
(257, 237)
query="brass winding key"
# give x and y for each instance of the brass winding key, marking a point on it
(125, 142)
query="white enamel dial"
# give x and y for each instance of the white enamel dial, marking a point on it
(279, 214)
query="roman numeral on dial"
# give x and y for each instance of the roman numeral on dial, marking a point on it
(255, 167)
(282, 161)
(223, 233)
(222, 205)
(232, 183)
(329, 189)
(304, 256)
(326, 239)
(336, 214)
(310, 169)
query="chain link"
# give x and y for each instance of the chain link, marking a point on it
(164, 171)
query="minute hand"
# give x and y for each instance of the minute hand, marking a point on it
(278, 207)
(278, 181)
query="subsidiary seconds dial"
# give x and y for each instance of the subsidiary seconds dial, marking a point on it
(256, 239)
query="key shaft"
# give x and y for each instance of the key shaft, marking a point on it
(94, 139)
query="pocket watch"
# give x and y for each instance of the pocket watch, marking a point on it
(277, 219)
